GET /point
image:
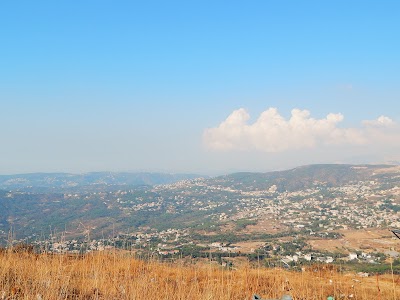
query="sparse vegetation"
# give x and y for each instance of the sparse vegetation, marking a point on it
(117, 275)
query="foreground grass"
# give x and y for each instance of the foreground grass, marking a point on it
(118, 276)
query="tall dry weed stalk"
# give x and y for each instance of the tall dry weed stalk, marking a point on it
(118, 275)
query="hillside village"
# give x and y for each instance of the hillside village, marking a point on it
(202, 217)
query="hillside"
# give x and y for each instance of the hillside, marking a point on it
(309, 202)
(302, 177)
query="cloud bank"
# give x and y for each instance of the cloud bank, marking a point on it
(271, 132)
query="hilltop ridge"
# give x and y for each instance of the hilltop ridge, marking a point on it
(306, 176)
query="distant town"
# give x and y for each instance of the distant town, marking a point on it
(223, 217)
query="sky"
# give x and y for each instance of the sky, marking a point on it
(208, 87)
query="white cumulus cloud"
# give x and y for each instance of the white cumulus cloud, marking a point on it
(382, 121)
(271, 132)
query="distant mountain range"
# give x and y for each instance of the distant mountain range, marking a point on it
(95, 180)
(297, 178)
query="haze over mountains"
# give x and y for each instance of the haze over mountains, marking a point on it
(63, 181)
(291, 179)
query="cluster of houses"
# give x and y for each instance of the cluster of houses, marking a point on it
(315, 211)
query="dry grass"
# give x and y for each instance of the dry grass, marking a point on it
(118, 276)
(376, 240)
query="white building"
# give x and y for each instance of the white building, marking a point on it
(352, 256)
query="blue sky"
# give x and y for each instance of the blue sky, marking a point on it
(129, 85)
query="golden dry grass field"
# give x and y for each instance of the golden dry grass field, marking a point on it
(366, 240)
(119, 276)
